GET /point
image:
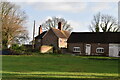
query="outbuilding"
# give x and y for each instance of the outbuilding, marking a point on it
(95, 43)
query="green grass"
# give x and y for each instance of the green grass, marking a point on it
(59, 67)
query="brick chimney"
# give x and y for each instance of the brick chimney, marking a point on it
(40, 29)
(60, 26)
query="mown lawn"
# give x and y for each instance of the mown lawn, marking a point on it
(59, 67)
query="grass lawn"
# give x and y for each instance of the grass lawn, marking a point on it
(59, 67)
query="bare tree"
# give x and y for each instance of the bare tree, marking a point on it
(95, 23)
(54, 23)
(104, 23)
(12, 21)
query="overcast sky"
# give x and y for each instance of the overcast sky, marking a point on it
(79, 14)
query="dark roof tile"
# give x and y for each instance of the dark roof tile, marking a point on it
(94, 37)
(41, 35)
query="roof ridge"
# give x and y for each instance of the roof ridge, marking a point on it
(63, 33)
(54, 31)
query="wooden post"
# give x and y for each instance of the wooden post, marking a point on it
(33, 42)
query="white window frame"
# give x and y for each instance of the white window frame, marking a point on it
(76, 49)
(100, 50)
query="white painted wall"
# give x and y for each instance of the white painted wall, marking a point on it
(114, 50)
(62, 43)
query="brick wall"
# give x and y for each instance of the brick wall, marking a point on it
(72, 45)
(50, 39)
(37, 44)
(96, 45)
(93, 48)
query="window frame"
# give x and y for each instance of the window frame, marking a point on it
(101, 50)
(76, 49)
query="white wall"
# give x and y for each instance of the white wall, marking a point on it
(114, 50)
(62, 43)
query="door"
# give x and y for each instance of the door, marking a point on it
(111, 51)
(88, 49)
(119, 50)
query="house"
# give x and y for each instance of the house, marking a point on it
(53, 37)
(95, 43)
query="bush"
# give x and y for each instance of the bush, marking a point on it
(18, 50)
(18, 47)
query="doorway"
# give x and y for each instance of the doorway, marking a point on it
(88, 49)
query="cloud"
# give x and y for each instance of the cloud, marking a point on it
(78, 26)
(63, 0)
(71, 7)
(100, 7)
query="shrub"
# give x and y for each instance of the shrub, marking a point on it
(18, 50)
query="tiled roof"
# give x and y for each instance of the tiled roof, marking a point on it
(94, 37)
(41, 35)
(58, 33)
(66, 33)
(61, 33)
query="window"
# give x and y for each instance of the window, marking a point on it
(100, 50)
(76, 49)
(60, 40)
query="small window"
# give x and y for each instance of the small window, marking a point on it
(100, 50)
(60, 40)
(76, 49)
